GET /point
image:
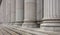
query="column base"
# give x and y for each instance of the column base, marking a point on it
(29, 25)
(18, 24)
(38, 24)
(51, 26)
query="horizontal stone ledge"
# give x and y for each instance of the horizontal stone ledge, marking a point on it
(7, 22)
(13, 22)
(50, 24)
(33, 31)
(50, 19)
(32, 21)
(19, 21)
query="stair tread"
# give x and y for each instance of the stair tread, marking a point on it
(4, 32)
(1, 32)
(12, 32)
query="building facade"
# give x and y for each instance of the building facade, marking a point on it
(41, 16)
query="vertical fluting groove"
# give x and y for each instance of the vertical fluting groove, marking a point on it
(36, 10)
(42, 8)
(15, 10)
(48, 9)
(57, 10)
(10, 13)
(52, 8)
(23, 10)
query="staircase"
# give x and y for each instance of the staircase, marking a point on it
(17, 30)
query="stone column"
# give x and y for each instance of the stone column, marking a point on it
(13, 11)
(39, 12)
(51, 19)
(8, 11)
(19, 12)
(29, 14)
(2, 9)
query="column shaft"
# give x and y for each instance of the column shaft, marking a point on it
(29, 13)
(19, 11)
(13, 11)
(2, 11)
(39, 12)
(8, 11)
(51, 20)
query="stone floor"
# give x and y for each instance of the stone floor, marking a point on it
(17, 30)
(5, 31)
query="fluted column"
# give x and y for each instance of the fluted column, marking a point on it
(2, 11)
(8, 11)
(39, 12)
(13, 11)
(51, 19)
(29, 13)
(19, 12)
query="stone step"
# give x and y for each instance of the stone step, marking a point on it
(12, 32)
(5, 32)
(1, 33)
(15, 30)
(32, 31)
(25, 31)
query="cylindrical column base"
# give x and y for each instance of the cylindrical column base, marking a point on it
(51, 25)
(29, 24)
(18, 23)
